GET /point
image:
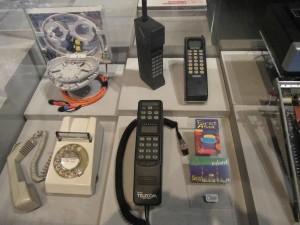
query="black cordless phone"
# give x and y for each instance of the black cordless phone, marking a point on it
(150, 38)
(196, 87)
(148, 153)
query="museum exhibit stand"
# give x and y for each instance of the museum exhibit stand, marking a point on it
(242, 100)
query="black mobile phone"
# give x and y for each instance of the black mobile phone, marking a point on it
(148, 153)
(196, 87)
(150, 38)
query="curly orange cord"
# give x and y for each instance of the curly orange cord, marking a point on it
(90, 100)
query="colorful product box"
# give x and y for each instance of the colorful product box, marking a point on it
(207, 137)
(209, 170)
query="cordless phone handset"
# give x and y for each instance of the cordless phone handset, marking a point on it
(148, 153)
(196, 87)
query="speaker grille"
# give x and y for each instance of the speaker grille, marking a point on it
(147, 180)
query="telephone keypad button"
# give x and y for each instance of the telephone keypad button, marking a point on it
(195, 62)
(149, 111)
(151, 152)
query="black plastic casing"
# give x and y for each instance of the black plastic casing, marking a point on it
(196, 86)
(150, 38)
(148, 173)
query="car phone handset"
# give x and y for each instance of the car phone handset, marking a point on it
(148, 153)
(148, 159)
(150, 38)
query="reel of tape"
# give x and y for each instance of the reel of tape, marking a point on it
(60, 28)
(73, 72)
(73, 41)
(75, 160)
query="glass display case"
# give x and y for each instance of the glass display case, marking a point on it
(72, 69)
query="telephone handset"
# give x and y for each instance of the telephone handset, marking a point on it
(25, 197)
(148, 153)
(196, 87)
(148, 159)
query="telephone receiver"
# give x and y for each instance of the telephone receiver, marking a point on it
(24, 195)
(148, 159)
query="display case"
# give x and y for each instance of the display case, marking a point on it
(72, 69)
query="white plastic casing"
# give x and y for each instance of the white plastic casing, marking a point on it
(84, 184)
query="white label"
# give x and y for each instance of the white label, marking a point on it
(69, 163)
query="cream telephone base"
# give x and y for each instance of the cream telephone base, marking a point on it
(76, 157)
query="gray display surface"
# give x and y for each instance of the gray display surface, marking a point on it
(257, 129)
(177, 193)
(265, 198)
(106, 106)
(56, 209)
(270, 190)
(172, 93)
(270, 185)
(247, 76)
